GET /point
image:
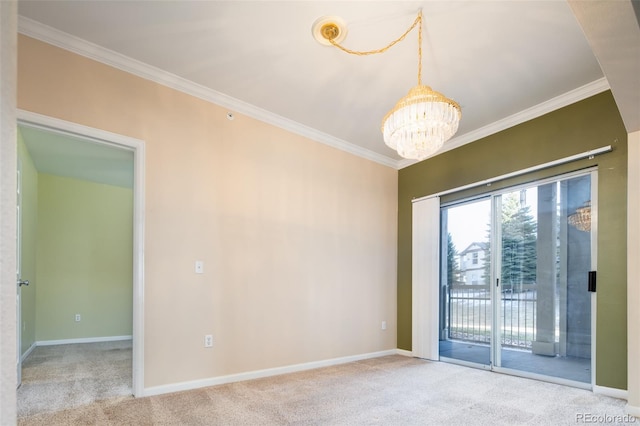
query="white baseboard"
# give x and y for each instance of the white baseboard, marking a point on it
(28, 351)
(258, 374)
(82, 340)
(632, 410)
(612, 392)
(404, 352)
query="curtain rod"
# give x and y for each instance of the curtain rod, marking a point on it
(564, 160)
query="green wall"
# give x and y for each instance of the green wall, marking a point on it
(84, 252)
(585, 125)
(29, 221)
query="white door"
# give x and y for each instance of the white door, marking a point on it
(20, 281)
(18, 274)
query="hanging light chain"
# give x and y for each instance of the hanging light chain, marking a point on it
(419, 18)
(418, 21)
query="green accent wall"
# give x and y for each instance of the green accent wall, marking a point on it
(29, 225)
(84, 252)
(589, 124)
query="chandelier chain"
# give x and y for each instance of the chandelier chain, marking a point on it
(419, 18)
(418, 21)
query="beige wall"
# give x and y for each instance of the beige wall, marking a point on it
(8, 351)
(298, 239)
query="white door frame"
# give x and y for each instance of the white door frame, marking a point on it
(138, 148)
(594, 267)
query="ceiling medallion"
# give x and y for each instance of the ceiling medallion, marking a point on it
(329, 28)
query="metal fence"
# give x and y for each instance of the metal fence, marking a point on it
(469, 315)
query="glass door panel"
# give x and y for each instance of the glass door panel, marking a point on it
(514, 277)
(543, 313)
(465, 290)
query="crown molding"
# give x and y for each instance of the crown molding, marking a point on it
(84, 48)
(573, 96)
(39, 31)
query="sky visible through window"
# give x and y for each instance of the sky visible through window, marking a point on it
(469, 223)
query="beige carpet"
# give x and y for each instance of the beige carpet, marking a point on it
(393, 390)
(66, 376)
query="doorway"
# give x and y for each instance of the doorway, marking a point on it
(103, 140)
(515, 271)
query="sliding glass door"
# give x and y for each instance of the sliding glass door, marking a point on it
(466, 293)
(514, 280)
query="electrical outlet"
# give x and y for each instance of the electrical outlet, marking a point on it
(384, 325)
(208, 341)
(78, 318)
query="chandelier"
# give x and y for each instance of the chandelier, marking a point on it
(581, 219)
(422, 121)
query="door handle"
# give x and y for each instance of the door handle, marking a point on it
(592, 282)
(23, 282)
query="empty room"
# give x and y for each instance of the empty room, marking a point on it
(281, 212)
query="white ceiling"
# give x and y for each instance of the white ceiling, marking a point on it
(504, 62)
(65, 155)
